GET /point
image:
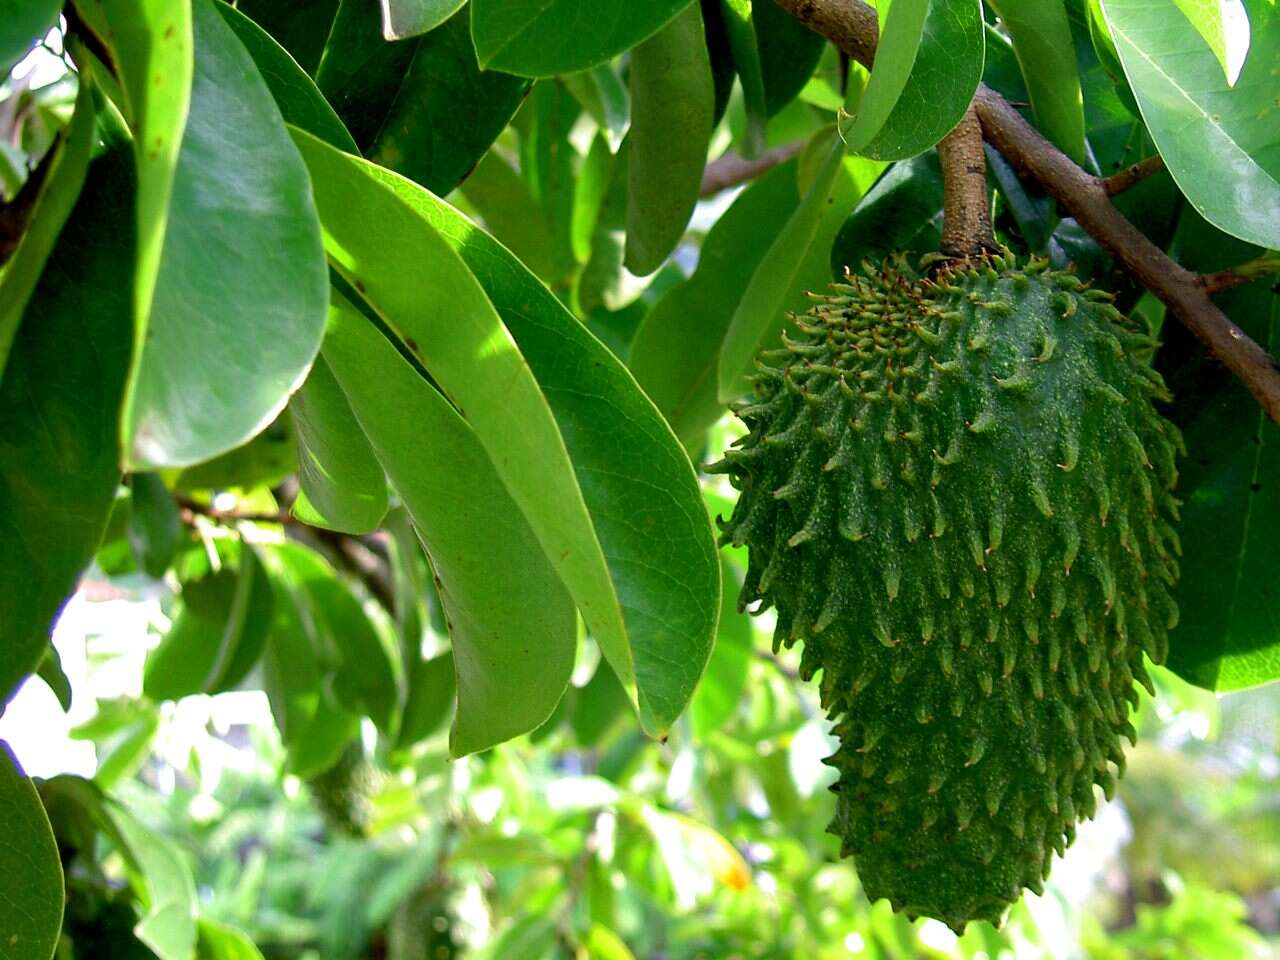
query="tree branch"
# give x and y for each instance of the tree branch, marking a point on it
(852, 25)
(1263, 266)
(1132, 175)
(733, 169)
(192, 507)
(966, 215)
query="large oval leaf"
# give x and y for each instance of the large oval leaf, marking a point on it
(241, 295)
(1228, 636)
(1221, 144)
(638, 485)
(511, 621)
(677, 348)
(23, 27)
(531, 38)
(672, 113)
(31, 894)
(59, 400)
(927, 67)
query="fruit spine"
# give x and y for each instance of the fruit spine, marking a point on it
(957, 492)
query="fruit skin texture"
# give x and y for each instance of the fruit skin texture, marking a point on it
(957, 492)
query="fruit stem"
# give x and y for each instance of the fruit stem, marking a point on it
(966, 216)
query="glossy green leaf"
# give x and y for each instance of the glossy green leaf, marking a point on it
(903, 211)
(672, 114)
(549, 163)
(58, 424)
(55, 678)
(605, 284)
(153, 52)
(248, 622)
(25, 23)
(677, 348)
(593, 184)
(597, 707)
(740, 27)
(30, 872)
(240, 299)
(295, 93)
(797, 261)
(634, 477)
(57, 197)
(1228, 636)
(1217, 141)
(1042, 41)
(422, 107)
(432, 689)
(502, 198)
(154, 526)
(530, 39)
(218, 942)
(343, 486)
(726, 678)
(789, 52)
(511, 621)
(301, 27)
(162, 881)
(927, 68)
(123, 750)
(1206, 17)
(409, 18)
(421, 287)
(604, 96)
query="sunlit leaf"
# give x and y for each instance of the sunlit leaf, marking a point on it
(31, 894)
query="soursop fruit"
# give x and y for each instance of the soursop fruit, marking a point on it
(344, 792)
(957, 492)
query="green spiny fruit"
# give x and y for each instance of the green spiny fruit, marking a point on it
(344, 792)
(957, 493)
(422, 927)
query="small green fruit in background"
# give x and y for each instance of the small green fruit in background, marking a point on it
(958, 493)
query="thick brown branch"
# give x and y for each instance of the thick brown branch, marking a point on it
(733, 169)
(1132, 175)
(852, 25)
(966, 215)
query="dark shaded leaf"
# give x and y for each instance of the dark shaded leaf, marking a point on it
(31, 894)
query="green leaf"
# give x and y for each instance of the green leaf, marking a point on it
(1206, 17)
(69, 163)
(672, 114)
(502, 198)
(409, 18)
(511, 621)
(637, 483)
(264, 461)
(530, 38)
(155, 529)
(677, 348)
(412, 287)
(301, 27)
(218, 942)
(1042, 41)
(25, 24)
(797, 261)
(122, 732)
(721, 689)
(55, 678)
(604, 96)
(1228, 636)
(741, 30)
(789, 52)
(152, 49)
(163, 884)
(903, 211)
(549, 163)
(295, 93)
(240, 299)
(597, 706)
(604, 282)
(432, 691)
(1215, 139)
(58, 403)
(927, 68)
(31, 893)
(343, 487)
(602, 943)
(422, 107)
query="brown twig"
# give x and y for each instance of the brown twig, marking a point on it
(733, 169)
(966, 215)
(852, 25)
(1132, 175)
(1238, 276)
(192, 507)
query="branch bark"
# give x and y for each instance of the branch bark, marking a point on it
(966, 213)
(851, 24)
(1132, 175)
(733, 168)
